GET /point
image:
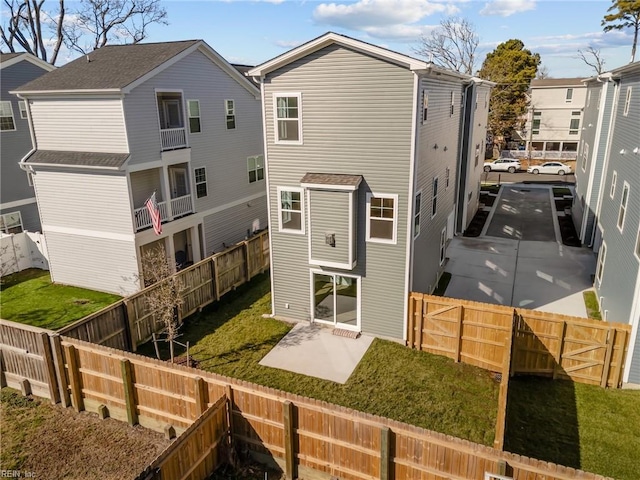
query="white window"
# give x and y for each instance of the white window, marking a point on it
(22, 105)
(623, 206)
(30, 178)
(453, 97)
(230, 114)
(11, 222)
(637, 250)
(535, 127)
(416, 214)
(382, 214)
(477, 98)
(614, 178)
(569, 96)
(627, 102)
(193, 109)
(6, 116)
(486, 100)
(443, 245)
(288, 117)
(585, 155)
(588, 98)
(574, 126)
(477, 159)
(200, 175)
(425, 105)
(434, 198)
(598, 101)
(446, 178)
(290, 209)
(255, 167)
(601, 259)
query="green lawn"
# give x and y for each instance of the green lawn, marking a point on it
(591, 304)
(29, 297)
(573, 424)
(391, 380)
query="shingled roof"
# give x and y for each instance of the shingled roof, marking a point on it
(8, 56)
(55, 158)
(109, 67)
(557, 82)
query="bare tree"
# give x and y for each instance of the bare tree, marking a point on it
(165, 298)
(451, 45)
(91, 24)
(592, 58)
(543, 72)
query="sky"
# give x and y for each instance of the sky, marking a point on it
(252, 32)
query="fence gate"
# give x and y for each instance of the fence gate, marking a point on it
(441, 331)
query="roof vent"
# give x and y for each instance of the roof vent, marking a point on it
(88, 59)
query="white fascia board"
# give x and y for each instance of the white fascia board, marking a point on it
(433, 70)
(27, 57)
(323, 186)
(331, 38)
(67, 93)
(78, 167)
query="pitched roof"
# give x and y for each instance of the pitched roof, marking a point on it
(348, 182)
(8, 56)
(557, 82)
(109, 67)
(9, 59)
(56, 158)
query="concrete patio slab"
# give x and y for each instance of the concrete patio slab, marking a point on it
(313, 350)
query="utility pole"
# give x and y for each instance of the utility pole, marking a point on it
(530, 138)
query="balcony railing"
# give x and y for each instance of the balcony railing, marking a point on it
(179, 206)
(173, 138)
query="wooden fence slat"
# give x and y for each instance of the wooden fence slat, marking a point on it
(607, 359)
(74, 378)
(129, 391)
(289, 444)
(61, 373)
(385, 453)
(54, 393)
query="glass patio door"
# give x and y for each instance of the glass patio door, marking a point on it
(335, 300)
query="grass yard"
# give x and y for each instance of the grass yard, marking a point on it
(29, 297)
(393, 381)
(573, 424)
(591, 304)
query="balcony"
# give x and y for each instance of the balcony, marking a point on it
(173, 138)
(180, 207)
(171, 116)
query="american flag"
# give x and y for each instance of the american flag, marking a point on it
(154, 212)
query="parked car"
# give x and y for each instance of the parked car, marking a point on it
(554, 168)
(510, 165)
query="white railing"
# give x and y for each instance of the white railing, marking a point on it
(173, 138)
(539, 154)
(181, 206)
(143, 218)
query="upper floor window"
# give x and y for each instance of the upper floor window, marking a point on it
(453, 99)
(627, 102)
(569, 96)
(425, 105)
(585, 155)
(446, 178)
(288, 116)
(193, 107)
(11, 222)
(601, 259)
(434, 198)
(535, 127)
(6, 116)
(574, 126)
(623, 206)
(614, 179)
(598, 100)
(200, 175)
(290, 209)
(588, 98)
(255, 167)
(382, 216)
(230, 114)
(416, 214)
(22, 105)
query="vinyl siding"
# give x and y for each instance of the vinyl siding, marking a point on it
(356, 119)
(556, 112)
(144, 183)
(441, 129)
(79, 124)
(29, 215)
(329, 213)
(14, 145)
(634, 371)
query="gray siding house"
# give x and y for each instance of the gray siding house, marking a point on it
(18, 208)
(362, 147)
(125, 122)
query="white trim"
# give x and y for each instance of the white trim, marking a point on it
(196, 183)
(79, 167)
(227, 114)
(277, 140)
(418, 214)
(256, 169)
(627, 101)
(301, 191)
(123, 237)
(634, 320)
(13, 117)
(612, 188)
(14, 226)
(358, 278)
(67, 93)
(601, 257)
(27, 57)
(435, 185)
(442, 250)
(17, 203)
(394, 237)
(189, 116)
(627, 187)
(636, 247)
(322, 263)
(23, 103)
(138, 167)
(324, 186)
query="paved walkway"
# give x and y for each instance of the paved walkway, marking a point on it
(313, 350)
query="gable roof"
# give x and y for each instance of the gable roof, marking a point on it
(557, 82)
(120, 68)
(8, 59)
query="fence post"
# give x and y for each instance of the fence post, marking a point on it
(247, 269)
(411, 326)
(58, 360)
(421, 314)
(200, 391)
(611, 335)
(459, 332)
(74, 377)
(623, 344)
(47, 356)
(385, 452)
(558, 365)
(289, 447)
(501, 418)
(229, 394)
(3, 379)
(214, 275)
(129, 394)
(130, 308)
(126, 326)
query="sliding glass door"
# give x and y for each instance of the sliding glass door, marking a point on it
(335, 300)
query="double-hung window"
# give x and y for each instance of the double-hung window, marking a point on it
(627, 102)
(601, 259)
(569, 96)
(575, 123)
(434, 198)
(382, 217)
(193, 110)
(585, 156)
(416, 214)
(6, 116)
(230, 114)
(290, 209)
(22, 105)
(446, 177)
(453, 99)
(425, 105)
(535, 127)
(443, 245)
(614, 179)
(255, 167)
(200, 175)
(11, 222)
(623, 206)
(288, 117)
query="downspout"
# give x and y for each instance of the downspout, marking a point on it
(462, 154)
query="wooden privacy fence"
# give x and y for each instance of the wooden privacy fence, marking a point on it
(547, 344)
(304, 437)
(129, 322)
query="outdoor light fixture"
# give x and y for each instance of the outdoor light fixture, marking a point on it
(623, 152)
(636, 150)
(435, 146)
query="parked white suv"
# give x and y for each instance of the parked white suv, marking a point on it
(510, 165)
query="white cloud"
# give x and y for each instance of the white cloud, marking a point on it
(506, 8)
(288, 43)
(394, 20)
(569, 44)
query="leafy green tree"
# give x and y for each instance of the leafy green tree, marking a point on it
(624, 14)
(512, 67)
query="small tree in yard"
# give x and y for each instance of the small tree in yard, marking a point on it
(165, 298)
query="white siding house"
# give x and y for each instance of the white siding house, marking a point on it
(128, 121)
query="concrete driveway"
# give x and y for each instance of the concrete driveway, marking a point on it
(524, 264)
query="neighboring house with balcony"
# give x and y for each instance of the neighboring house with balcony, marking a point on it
(362, 147)
(115, 126)
(554, 119)
(18, 208)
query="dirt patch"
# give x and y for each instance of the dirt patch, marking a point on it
(568, 231)
(55, 442)
(487, 200)
(477, 224)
